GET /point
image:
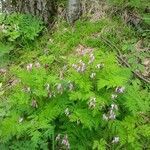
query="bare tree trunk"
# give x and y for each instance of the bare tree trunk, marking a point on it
(45, 9)
(73, 10)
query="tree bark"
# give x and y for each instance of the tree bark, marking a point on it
(44, 9)
(73, 10)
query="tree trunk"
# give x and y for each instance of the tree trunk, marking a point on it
(45, 9)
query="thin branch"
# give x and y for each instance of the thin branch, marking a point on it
(122, 59)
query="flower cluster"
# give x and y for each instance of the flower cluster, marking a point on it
(92, 76)
(3, 71)
(50, 93)
(111, 114)
(80, 67)
(59, 88)
(114, 96)
(29, 67)
(34, 104)
(63, 140)
(115, 140)
(81, 50)
(67, 112)
(58, 137)
(3, 28)
(92, 103)
(71, 86)
(105, 117)
(92, 58)
(99, 66)
(120, 89)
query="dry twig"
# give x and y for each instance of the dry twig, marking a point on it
(122, 59)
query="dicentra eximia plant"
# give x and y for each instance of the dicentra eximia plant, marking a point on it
(92, 102)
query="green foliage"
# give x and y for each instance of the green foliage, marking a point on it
(72, 93)
(141, 4)
(100, 145)
(20, 27)
(17, 29)
(137, 9)
(73, 37)
(73, 104)
(4, 51)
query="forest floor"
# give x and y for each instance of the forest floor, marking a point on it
(33, 46)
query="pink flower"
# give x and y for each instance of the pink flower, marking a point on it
(29, 67)
(65, 142)
(112, 115)
(34, 104)
(67, 112)
(58, 137)
(114, 96)
(80, 67)
(115, 140)
(59, 88)
(93, 75)
(74, 66)
(37, 65)
(3, 71)
(114, 107)
(120, 89)
(92, 58)
(92, 103)
(105, 117)
(99, 66)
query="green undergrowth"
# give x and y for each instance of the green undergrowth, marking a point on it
(66, 90)
(16, 32)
